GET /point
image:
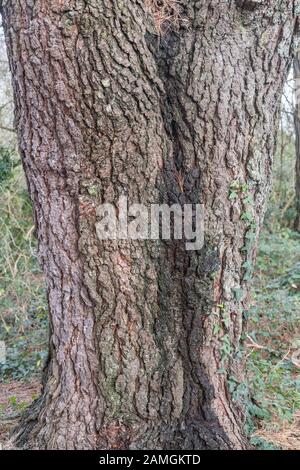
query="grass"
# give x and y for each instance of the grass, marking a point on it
(23, 311)
(274, 338)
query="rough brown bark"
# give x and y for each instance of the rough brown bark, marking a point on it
(145, 336)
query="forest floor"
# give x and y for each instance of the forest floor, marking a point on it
(15, 396)
(273, 346)
(273, 343)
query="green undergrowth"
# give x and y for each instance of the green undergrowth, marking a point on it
(23, 312)
(273, 341)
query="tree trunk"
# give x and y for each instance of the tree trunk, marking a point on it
(297, 137)
(145, 336)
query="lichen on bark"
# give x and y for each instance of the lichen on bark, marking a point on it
(103, 109)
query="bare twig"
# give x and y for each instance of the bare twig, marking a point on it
(4, 105)
(285, 357)
(253, 344)
(166, 14)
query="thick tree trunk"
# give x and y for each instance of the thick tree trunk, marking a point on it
(297, 137)
(145, 336)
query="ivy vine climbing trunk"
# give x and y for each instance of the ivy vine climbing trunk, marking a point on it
(145, 346)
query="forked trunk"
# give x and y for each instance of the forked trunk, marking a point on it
(146, 337)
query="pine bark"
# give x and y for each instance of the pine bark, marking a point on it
(145, 336)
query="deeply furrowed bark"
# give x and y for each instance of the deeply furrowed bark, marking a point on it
(145, 336)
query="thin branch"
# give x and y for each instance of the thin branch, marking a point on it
(7, 129)
(4, 105)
